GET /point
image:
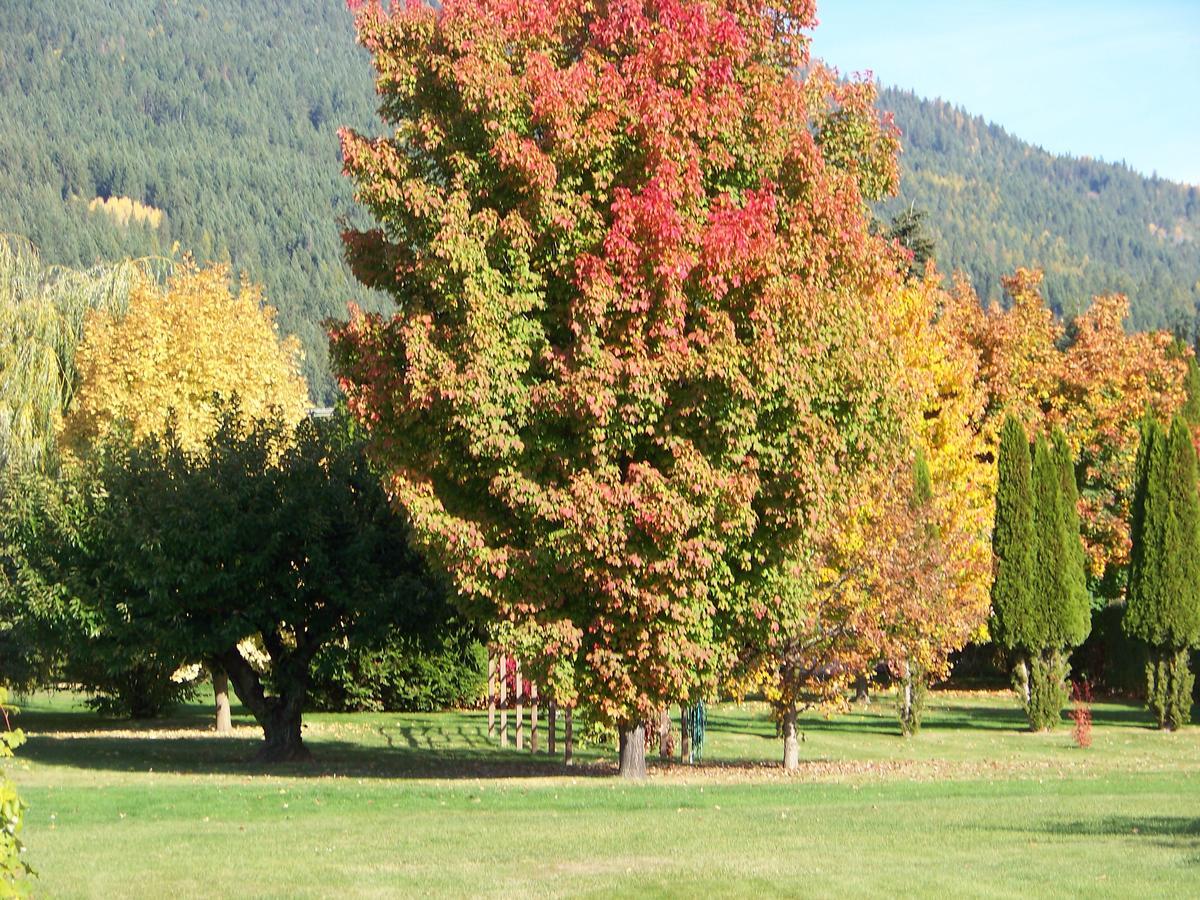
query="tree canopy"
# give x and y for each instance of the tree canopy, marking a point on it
(635, 363)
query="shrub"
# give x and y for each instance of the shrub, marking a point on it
(402, 674)
(1081, 693)
(128, 684)
(13, 869)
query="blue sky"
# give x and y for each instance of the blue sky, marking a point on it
(1112, 80)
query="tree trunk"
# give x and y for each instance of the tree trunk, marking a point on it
(685, 737)
(551, 725)
(791, 744)
(862, 690)
(221, 695)
(281, 728)
(633, 751)
(568, 735)
(533, 718)
(279, 716)
(1022, 676)
(664, 733)
(906, 701)
(503, 700)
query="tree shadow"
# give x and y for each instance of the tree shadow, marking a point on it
(1131, 827)
(208, 754)
(1180, 833)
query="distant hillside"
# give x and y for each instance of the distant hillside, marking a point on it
(211, 125)
(128, 127)
(995, 202)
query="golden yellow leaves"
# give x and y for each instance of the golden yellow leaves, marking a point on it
(177, 350)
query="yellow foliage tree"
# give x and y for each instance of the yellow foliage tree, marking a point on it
(175, 350)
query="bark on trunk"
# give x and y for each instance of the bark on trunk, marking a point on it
(568, 736)
(791, 743)
(281, 728)
(862, 690)
(518, 697)
(221, 697)
(279, 716)
(633, 751)
(1023, 676)
(685, 736)
(503, 700)
(665, 749)
(551, 725)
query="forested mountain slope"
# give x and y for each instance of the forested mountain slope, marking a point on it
(995, 202)
(138, 127)
(210, 125)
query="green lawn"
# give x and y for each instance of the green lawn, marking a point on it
(405, 804)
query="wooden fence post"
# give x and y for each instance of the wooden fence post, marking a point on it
(533, 717)
(518, 698)
(491, 694)
(503, 666)
(568, 737)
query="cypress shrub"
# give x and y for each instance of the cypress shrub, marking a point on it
(1063, 607)
(1013, 543)
(1040, 604)
(1163, 607)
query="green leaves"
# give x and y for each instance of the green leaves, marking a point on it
(1164, 577)
(1013, 600)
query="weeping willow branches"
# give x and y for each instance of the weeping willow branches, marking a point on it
(42, 314)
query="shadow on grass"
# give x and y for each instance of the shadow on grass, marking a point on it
(207, 754)
(351, 745)
(1171, 832)
(1131, 826)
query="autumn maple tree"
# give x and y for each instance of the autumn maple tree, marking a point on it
(634, 365)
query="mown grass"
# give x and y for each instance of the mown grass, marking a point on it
(425, 804)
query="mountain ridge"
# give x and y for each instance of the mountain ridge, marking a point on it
(147, 127)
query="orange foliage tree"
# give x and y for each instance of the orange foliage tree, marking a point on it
(1093, 379)
(635, 364)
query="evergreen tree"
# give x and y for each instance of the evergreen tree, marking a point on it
(1039, 596)
(1075, 615)
(1061, 617)
(1164, 578)
(1013, 543)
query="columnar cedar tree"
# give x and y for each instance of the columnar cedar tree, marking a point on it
(1163, 607)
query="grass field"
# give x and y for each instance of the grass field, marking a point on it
(424, 804)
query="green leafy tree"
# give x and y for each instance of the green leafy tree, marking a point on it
(1163, 607)
(285, 536)
(1062, 607)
